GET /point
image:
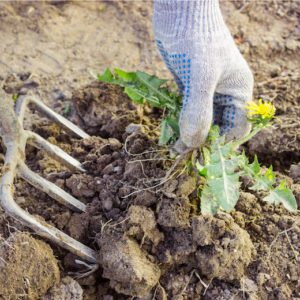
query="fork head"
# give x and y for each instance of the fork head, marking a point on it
(15, 139)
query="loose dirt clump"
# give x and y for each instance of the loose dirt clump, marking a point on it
(102, 113)
(28, 268)
(129, 269)
(225, 249)
(67, 289)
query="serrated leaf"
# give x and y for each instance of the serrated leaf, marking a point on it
(150, 80)
(284, 196)
(255, 166)
(262, 181)
(222, 178)
(270, 175)
(107, 76)
(214, 133)
(206, 155)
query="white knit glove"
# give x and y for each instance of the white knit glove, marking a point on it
(214, 77)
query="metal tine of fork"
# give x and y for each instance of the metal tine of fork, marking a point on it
(54, 151)
(43, 229)
(23, 101)
(39, 226)
(50, 189)
(15, 138)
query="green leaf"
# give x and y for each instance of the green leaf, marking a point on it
(173, 123)
(134, 95)
(282, 195)
(206, 155)
(126, 76)
(151, 81)
(201, 169)
(255, 166)
(107, 76)
(226, 191)
(222, 177)
(262, 181)
(209, 205)
(141, 88)
(166, 133)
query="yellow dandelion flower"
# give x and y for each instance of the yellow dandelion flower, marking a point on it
(264, 110)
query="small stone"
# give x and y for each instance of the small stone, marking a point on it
(134, 128)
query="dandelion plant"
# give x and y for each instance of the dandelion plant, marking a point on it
(223, 164)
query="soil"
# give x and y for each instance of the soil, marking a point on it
(152, 241)
(28, 267)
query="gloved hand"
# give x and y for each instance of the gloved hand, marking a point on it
(215, 79)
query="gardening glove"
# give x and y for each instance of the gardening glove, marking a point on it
(213, 76)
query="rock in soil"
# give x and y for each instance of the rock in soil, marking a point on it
(28, 268)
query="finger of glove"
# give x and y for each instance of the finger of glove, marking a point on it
(234, 89)
(196, 117)
(218, 108)
(180, 147)
(237, 82)
(231, 118)
(197, 82)
(170, 62)
(235, 124)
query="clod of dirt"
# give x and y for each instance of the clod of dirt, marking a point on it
(104, 109)
(129, 269)
(28, 268)
(225, 249)
(77, 226)
(81, 185)
(142, 224)
(145, 198)
(67, 289)
(277, 147)
(177, 248)
(174, 212)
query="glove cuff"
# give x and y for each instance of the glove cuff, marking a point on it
(188, 18)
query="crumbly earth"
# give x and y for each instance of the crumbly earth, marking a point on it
(66, 289)
(151, 239)
(28, 267)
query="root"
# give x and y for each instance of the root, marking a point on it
(106, 224)
(142, 153)
(151, 187)
(164, 294)
(206, 286)
(90, 269)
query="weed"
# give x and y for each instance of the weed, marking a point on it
(222, 164)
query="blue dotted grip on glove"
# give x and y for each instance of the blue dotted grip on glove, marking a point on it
(180, 67)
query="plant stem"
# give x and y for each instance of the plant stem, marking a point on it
(245, 139)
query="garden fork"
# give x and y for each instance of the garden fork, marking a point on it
(15, 139)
